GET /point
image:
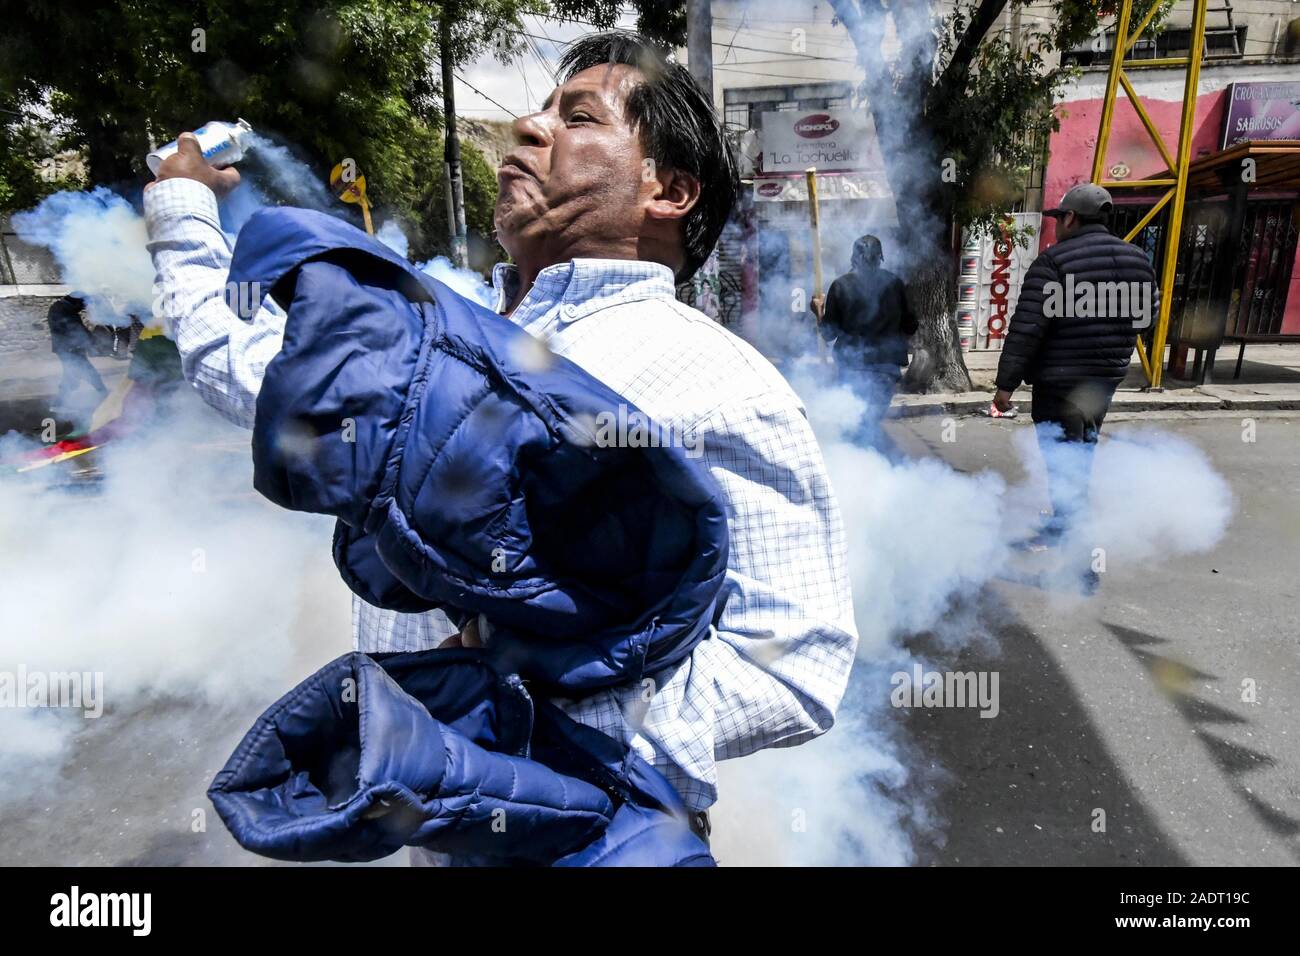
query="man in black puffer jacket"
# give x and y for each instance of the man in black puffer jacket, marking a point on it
(1083, 302)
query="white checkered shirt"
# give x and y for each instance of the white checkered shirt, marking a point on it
(777, 660)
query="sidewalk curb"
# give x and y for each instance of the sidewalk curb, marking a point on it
(974, 403)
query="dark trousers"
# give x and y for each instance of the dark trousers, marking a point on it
(874, 384)
(1068, 423)
(77, 369)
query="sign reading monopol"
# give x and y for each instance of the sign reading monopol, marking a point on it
(831, 140)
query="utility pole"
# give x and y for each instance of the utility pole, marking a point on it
(699, 42)
(451, 150)
(706, 283)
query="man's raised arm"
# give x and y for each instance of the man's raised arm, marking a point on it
(223, 356)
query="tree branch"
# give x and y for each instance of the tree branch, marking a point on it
(984, 18)
(859, 22)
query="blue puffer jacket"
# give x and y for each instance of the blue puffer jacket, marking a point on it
(461, 460)
(441, 750)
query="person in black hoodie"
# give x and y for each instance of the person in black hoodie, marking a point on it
(866, 310)
(1083, 302)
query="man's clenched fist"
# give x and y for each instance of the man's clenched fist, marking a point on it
(188, 163)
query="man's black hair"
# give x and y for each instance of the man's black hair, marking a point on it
(678, 126)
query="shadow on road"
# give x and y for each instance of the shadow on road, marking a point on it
(1175, 680)
(1024, 787)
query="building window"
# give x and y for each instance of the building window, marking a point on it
(1220, 43)
(737, 114)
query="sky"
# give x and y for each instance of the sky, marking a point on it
(487, 89)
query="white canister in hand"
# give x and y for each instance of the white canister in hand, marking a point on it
(223, 144)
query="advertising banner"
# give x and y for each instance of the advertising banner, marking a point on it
(1262, 111)
(832, 186)
(832, 140)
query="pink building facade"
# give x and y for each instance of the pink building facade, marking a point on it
(1131, 155)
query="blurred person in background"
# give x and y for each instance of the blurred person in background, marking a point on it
(867, 314)
(70, 340)
(1074, 356)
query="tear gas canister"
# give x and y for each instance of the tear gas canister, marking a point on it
(223, 144)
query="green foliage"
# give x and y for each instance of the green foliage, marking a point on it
(975, 96)
(998, 122)
(337, 79)
(427, 225)
(1077, 20)
(345, 78)
(661, 20)
(1000, 115)
(32, 162)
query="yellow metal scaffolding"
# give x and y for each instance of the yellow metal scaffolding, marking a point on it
(1175, 180)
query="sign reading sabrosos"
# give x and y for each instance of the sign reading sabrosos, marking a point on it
(833, 140)
(1262, 111)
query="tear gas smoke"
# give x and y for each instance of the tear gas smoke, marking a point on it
(1152, 495)
(923, 539)
(920, 534)
(391, 235)
(174, 581)
(174, 584)
(98, 240)
(282, 177)
(465, 282)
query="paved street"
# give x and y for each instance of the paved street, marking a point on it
(1131, 701)
(1128, 702)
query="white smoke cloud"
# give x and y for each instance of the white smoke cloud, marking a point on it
(923, 542)
(173, 579)
(1153, 495)
(98, 240)
(896, 512)
(281, 175)
(464, 282)
(168, 576)
(391, 235)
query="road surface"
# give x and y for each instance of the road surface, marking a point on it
(1129, 703)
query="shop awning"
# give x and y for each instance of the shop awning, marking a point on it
(792, 188)
(1277, 166)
